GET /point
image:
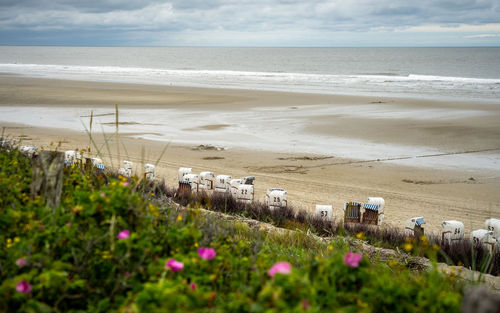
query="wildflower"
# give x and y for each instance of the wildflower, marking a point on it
(124, 234)
(102, 194)
(330, 247)
(392, 263)
(424, 240)
(360, 235)
(206, 253)
(105, 255)
(408, 246)
(23, 286)
(16, 239)
(281, 268)
(125, 183)
(127, 274)
(21, 262)
(174, 265)
(352, 259)
(196, 244)
(193, 286)
(68, 224)
(305, 305)
(179, 218)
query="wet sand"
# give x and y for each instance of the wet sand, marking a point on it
(437, 194)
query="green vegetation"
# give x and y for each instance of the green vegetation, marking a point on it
(112, 247)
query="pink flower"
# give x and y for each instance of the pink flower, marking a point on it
(68, 224)
(124, 234)
(206, 253)
(102, 194)
(127, 274)
(305, 305)
(126, 183)
(193, 286)
(352, 259)
(174, 265)
(21, 262)
(23, 286)
(281, 268)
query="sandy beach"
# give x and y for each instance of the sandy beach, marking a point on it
(432, 133)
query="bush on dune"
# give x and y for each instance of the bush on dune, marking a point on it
(109, 247)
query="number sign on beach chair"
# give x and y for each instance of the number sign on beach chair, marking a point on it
(484, 237)
(222, 183)
(324, 211)
(149, 172)
(276, 198)
(493, 224)
(245, 193)
(183, 171)
(452, 231)
(207, 180)
(413, 227)
(352, 212)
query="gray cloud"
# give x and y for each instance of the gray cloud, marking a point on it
(242, 16)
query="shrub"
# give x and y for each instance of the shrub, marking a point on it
(106, 247)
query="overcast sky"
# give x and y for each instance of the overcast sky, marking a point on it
(250, 22)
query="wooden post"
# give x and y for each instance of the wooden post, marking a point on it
(48, 177)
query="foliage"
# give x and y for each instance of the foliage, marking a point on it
(459, 253)
(105, 250)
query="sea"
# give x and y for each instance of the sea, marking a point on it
(431, 73)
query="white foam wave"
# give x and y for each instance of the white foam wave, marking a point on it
(406, 86)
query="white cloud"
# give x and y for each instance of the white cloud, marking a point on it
(154, 15)
(483, 36)
(460, 28)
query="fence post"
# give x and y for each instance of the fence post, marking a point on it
(48, 177)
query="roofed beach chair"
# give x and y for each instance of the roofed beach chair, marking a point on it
(452, 231)
(370, 216)
(352, 212)
(276, 198)
(184, 188)
(222, 183)
(413, 227)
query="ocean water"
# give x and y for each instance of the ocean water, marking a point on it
(433, 73)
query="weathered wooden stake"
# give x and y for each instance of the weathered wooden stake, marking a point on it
(48, 177)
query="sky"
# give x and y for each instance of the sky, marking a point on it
(330, 23)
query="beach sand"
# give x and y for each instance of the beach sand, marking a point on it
(436, 194)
